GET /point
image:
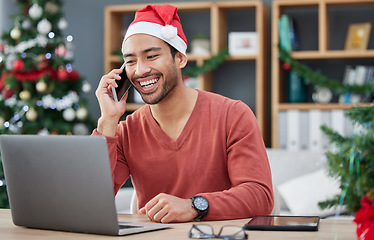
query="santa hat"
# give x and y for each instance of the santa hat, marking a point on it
(160, 21)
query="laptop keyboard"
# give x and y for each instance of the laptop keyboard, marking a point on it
(125, 226)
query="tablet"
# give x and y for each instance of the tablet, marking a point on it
(283, 223)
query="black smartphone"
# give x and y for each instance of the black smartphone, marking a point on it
(283, 223)
(124, 85)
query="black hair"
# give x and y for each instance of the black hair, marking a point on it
(173, 50)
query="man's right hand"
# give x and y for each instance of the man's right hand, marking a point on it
(111, 111)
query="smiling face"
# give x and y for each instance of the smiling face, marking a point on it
(151, 67)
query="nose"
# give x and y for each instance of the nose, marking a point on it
(142, 68)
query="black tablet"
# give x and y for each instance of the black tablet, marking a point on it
(283, 223)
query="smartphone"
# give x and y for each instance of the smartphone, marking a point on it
(124, 85)
(283, 223)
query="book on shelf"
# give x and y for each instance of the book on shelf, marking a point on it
(282, 129)
(288, 34)
(315, 133)
(297, 89)
(358, 75)
(304, 132)
(293, 130)
(294, 34)
(301, 129)
(360, 79)
(284, 33)
(325, 120)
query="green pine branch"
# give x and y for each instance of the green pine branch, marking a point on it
(313, 77)
(208, 65)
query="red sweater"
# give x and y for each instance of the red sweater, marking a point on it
(219, 155)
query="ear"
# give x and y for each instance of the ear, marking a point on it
(180, 60)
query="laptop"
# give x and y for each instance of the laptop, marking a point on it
(63, 183)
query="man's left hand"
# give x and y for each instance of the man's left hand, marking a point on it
(166, 208)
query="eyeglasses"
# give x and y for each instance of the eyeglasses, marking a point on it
(204, 231)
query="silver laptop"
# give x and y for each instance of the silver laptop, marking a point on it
(63, 183)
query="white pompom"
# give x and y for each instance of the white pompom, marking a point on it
(26, 24)
(68, 114)
(35, 11)
(44, 26)
(31, 115)
(80, 129)
(86, 88)
(82, 113)
(169, 32)
(51, 7)
(62, 24)
(15, 33)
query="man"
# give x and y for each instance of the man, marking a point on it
(191, 154)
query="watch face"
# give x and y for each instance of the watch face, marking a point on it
(201, 203)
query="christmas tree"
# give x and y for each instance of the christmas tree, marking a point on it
(40, 91)
(351, 160)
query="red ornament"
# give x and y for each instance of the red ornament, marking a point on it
(7, 92)
(62, 74)
(286, 66)
(2, 47)
(74, 75)
(60, 51)
(18, 65)
(365, 219)
(42, 62)
(2, 80)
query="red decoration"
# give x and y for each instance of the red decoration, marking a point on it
(2, 47)
(61, 51)
(7, 92)
(74, 76)
(365, 219)
(43, 62)
(30, 76)
(2, 80)
(18, 65)
(62, 74)
(36, 74)
(286, 66)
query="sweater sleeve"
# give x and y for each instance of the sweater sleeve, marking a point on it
(251, 191)
(118, 164)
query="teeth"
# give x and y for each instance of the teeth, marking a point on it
(149, 82)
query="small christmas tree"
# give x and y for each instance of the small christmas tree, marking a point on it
(351, 160)
(40, 92)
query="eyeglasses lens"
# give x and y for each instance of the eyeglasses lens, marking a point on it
(201, 231)
(233, 232)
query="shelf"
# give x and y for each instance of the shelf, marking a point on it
(325, 38)
(309, 106)
(332, 54)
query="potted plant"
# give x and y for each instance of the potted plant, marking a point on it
(200, 45)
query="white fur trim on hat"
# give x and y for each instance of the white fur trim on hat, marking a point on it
(167, 33)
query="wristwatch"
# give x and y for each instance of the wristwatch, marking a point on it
(201, 205)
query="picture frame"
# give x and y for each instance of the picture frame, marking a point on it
(358, 36)
(243, 43)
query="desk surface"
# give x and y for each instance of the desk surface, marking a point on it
(328, 229)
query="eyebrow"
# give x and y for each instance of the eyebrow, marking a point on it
(144, 51)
